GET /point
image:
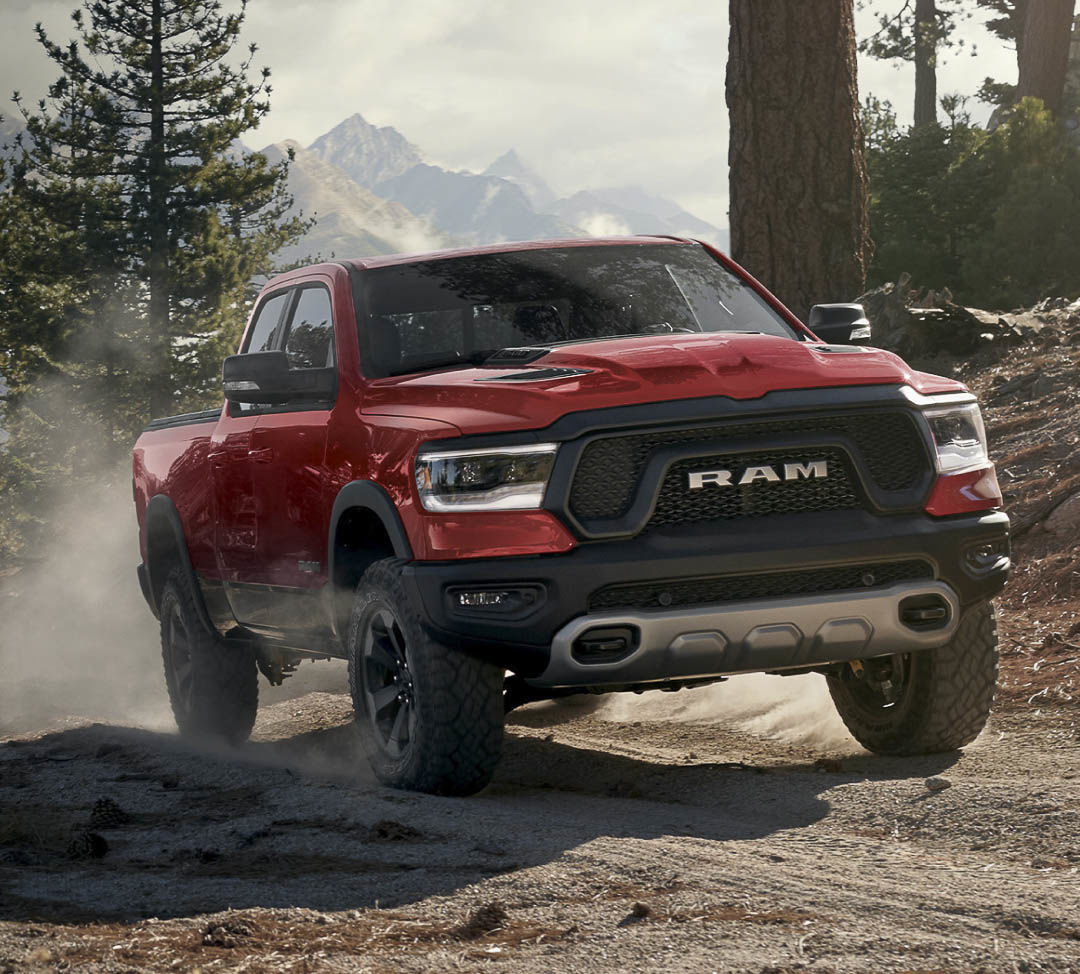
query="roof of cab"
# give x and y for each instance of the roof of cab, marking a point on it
(390, 260)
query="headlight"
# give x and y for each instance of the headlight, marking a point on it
(959, 437)
(509, 478)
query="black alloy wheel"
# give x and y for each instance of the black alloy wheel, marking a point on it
(388, 682)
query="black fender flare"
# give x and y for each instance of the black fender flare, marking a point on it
(160, 510)
(370, 495)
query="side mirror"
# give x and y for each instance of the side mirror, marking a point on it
(264, 378)
(840, 324)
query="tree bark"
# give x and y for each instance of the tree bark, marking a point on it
(161, 391)
(1044, 53)
(925, 62)
(798, 208)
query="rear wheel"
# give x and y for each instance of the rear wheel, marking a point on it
(430, 717)
(926, 702)
(213, 686)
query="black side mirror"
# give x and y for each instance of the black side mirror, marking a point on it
(264, 378)
(840, 324)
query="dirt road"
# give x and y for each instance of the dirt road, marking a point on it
(651, 834)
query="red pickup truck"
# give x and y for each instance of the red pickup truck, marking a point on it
(492, 476)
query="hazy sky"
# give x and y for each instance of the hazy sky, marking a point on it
(590, 92)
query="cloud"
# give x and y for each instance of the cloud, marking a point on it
(593, 94)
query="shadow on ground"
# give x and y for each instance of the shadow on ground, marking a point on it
(297, 822)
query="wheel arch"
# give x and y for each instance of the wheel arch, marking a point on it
(364, 528)
(166, 548)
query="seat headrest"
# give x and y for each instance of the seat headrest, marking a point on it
(385, 343)
(539, 322)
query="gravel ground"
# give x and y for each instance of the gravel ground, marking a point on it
(725, 829)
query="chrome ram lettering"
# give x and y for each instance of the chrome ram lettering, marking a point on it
(813, 469)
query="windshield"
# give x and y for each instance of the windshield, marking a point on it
(461, 310)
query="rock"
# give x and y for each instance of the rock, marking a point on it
(106, 814)
(227, 934)
(1065, 518)
(638, 912)
(87, 845)
(938, 784)
(489, 917)
(387, 830)
(1014, 385)
(1043, 386)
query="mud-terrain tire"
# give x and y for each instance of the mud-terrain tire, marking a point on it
(430, 716)
(213, 686)
(945, 695)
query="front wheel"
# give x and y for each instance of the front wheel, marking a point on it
(430, 717)
(926, 702)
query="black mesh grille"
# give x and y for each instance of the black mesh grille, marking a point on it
(678, 504)
(713, 589)
(611, 467)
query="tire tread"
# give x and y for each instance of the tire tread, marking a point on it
(226, 697)
(953, 696)
(460, 707)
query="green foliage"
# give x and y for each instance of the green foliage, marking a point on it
(991, 215)
(136, 143)
(131, 229)
(1007, 22)
(878, 120)
(1032, 248)
(898, 30)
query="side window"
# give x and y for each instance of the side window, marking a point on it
(310, 344)
(264, 331)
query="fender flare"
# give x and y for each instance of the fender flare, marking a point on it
(373, 497)
(161, 510)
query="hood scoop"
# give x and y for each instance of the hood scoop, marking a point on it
(535, 375)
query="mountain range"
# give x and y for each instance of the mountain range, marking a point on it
(345, 174)
(372, 191)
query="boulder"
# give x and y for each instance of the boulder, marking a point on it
(921, 325)
(1065, 518)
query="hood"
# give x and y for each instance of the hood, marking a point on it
(620, 372)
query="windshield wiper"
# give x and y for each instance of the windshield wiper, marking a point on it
(457, 362)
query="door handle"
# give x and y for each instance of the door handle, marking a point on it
(264, 455)
(218, 457)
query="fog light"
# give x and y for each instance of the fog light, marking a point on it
(496, 601)
(986, 556)
(483, 600)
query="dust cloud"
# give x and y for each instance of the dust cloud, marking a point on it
(78, 642)
(792, 709)
(76, 638)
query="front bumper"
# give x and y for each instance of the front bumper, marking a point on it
(749, 637)
(530, 644)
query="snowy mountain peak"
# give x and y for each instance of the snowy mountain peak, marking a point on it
(511, 167)
(369, 153)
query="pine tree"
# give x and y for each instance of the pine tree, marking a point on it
(916, 32)
(797, 177)
(1044, 54)
(1006, 22)
(137, 147)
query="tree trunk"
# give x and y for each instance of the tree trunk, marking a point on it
(1044, 54)
(161, 391)
(798, 174)
(925, 62)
